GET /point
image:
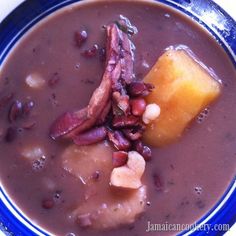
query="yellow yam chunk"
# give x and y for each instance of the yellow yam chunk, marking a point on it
(183, 88)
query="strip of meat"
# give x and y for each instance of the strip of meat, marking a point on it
(127, 59)
(104, 114)
(67, 123)
(73, 123)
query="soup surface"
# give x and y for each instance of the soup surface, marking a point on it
(184, 180)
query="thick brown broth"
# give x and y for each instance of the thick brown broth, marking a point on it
(203, 158)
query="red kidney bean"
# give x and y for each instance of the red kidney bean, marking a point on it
(139, 88)
(119, 158)
(136, 88)
(27, 107)
(118, 140)
(15, 111)
(80, 38)
(91, 136)
(125, 121)
(143, 150)
(138, 106)
(11, 134)
(157, 182)
(92, 52)
(138, 146)
(146, 153)
(47, 204)
(96, 175)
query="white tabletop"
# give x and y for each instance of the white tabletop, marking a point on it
(6, 6)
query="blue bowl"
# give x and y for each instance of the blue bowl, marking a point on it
(223, 29)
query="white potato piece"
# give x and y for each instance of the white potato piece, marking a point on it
(33, 153)
(35, 81)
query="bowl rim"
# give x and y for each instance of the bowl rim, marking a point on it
(225, 207)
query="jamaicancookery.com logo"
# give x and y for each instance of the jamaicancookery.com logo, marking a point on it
(152, 227)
